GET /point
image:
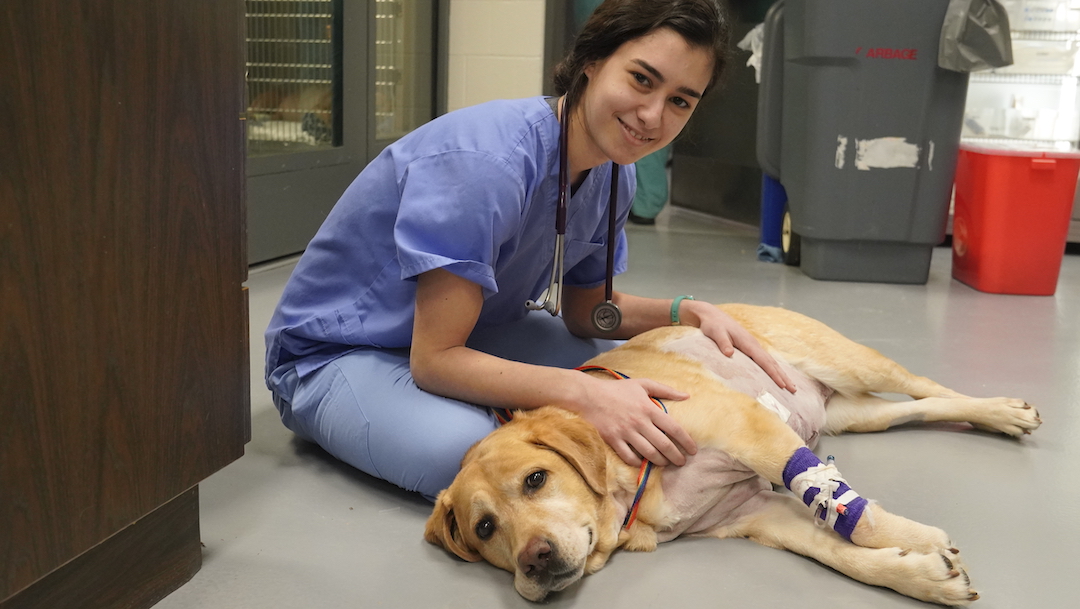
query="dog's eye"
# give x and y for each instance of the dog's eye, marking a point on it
(535, 480)
(485, 529)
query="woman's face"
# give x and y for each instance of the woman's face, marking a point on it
(638, 99)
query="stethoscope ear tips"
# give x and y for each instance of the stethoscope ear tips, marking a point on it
(547, 303)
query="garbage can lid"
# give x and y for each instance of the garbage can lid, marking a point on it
(1019, 149)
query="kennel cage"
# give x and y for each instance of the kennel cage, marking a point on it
(293, 75)
(390, 61)
(330, 84)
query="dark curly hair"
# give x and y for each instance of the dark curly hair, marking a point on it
(702, 23)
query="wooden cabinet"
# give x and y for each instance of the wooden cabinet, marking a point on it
(123, 320)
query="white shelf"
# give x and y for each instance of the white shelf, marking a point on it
(1034, 102)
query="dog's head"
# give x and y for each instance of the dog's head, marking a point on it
(528, 499)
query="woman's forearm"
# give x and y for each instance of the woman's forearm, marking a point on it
(639, 314)
(472, 376)
(447, 308)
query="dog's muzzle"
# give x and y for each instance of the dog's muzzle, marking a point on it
(542, 570)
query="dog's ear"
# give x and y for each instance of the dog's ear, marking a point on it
(577, 441)
(442, 530)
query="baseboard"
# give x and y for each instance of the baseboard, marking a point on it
(133, 569)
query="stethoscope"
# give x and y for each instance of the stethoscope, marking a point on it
(606, 316)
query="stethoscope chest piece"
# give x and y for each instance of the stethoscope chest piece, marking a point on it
(606, 317)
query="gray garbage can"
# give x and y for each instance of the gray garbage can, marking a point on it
(862, 127)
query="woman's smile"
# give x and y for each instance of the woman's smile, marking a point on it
(634, 135)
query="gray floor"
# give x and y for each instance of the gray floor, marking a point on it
(288, 527)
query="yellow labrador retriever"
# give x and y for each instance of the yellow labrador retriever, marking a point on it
(546, 499)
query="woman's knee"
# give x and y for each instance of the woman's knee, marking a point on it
(363, 414)
(426, 456)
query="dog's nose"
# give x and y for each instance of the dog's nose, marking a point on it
(533, 560)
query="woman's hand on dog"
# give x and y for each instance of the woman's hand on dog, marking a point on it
(633, 425)
(729, 335)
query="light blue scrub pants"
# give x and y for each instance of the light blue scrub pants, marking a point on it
(364, 408)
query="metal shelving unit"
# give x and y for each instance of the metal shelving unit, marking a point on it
(1033, 103)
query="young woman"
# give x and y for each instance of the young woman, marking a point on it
(404, 320)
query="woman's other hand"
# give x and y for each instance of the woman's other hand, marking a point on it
(729, 335)
(632, 424)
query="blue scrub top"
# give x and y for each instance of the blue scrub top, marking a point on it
(473, 191)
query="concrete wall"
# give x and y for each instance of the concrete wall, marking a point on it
(496, 50)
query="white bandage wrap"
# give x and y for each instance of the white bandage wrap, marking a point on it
(821, 487)
(826, 480)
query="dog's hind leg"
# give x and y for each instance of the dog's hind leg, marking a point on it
(865, 412)
(830, 357)
(853, 369)
(930, 574)
(855, 372)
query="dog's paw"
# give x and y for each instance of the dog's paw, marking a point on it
(882, 529)
(928, 540)
(937, 577)
(1007, 415)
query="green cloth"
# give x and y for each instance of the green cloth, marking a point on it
(652, 183)
(582, 10)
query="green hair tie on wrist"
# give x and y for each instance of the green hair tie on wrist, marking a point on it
(675, 308)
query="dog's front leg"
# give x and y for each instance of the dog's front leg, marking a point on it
(757, 438)
(780, 521)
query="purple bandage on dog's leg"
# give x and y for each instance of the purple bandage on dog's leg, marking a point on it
(807, 476)
(802, 460)
(845, 523)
